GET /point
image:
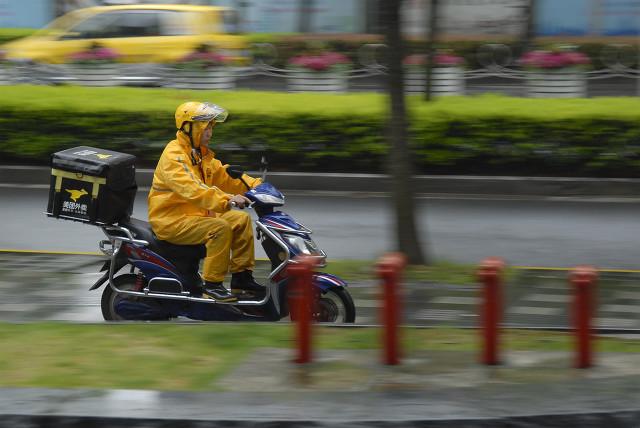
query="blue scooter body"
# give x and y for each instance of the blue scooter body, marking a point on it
(279, 233)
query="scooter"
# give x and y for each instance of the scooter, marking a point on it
(162, 280)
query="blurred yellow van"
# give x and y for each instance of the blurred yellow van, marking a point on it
(139, 33)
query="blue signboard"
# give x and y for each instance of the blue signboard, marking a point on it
(588, 17)
(566, 17)
(620, 17)
(25, 13)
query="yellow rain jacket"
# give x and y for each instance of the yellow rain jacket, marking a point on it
(182, 189)
(189, 204)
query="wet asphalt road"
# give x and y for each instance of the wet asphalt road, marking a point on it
(540, 232)
(525, 232)
(55, 287)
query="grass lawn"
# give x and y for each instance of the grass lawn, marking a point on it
(441, 271)
(190, 357)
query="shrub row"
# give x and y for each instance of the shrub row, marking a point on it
(335, 133)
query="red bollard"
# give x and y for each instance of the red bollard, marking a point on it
(584, 280)
(301, 303)
(389, 269)
(490, 273)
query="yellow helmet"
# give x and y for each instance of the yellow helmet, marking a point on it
(194, 111)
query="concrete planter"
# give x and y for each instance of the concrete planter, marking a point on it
(556, 84)
(93, 74)
(316, 81)
(447, 81)
(222, 78)
(5, 79)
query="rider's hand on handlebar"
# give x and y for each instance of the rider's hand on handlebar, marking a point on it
(239, 201)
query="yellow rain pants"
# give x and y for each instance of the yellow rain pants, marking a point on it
(229, 232)
(189, 204)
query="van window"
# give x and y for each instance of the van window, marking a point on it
(230, 22)
(132, 23)
(137, 24)
(95, 27)
(174, 23)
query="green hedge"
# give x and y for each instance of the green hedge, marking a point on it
(9, 34)
(316, 132)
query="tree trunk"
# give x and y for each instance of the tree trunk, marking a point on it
(241, 17)
(432, 36)
(304, 22)
(407, 237)
(372, 17)
(529, 31)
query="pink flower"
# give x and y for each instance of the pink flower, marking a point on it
(440, 60)
(532, 58)
(448, 60)
(202, 57)
(553, 60)
(95, 55)
(81, 56)
(321, 62)
(211, 58)
(415, 59)
(105, 54)
(336, 58)
(578, 58)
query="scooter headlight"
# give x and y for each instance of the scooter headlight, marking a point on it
(304, 246)
(268, 199)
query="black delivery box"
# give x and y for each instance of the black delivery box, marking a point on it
(92, 185)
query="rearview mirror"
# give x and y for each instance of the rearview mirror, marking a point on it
(235, 171)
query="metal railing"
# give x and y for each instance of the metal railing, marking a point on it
(497, 61)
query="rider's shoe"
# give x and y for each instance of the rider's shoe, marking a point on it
(218, 292)
(243, 282)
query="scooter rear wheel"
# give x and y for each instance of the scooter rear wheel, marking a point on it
(110, 299)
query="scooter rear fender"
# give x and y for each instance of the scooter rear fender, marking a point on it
(120, 263)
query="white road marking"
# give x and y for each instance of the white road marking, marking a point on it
(633, 309)
(615, 322)
(438, 314)
(456, 300)
(549, 298)
(367, 303)
(627, 295)
(534, 310)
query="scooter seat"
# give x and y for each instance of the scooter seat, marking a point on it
(142, 230)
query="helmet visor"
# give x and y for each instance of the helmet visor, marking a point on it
(211, 112)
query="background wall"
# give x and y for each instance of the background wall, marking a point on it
(458, 17)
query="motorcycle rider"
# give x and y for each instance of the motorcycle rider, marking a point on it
(191, 198)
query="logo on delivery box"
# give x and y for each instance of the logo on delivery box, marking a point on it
(74, 206)
(76, 194)
(92, 152)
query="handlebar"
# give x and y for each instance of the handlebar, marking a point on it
(249, 205)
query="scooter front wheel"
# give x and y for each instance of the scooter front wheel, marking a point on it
(335, 306)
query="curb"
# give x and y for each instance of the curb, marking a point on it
(585, 420)
(380, 183)
(391, 409)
